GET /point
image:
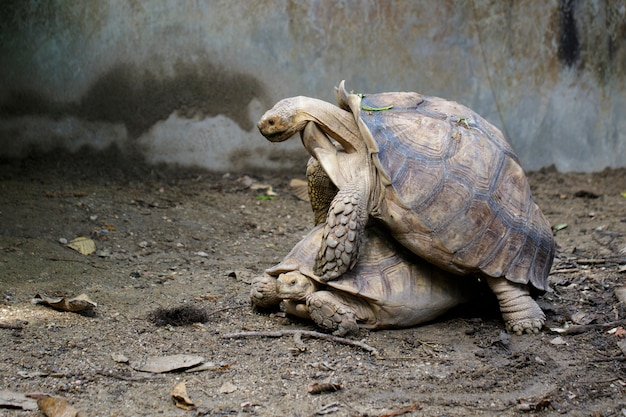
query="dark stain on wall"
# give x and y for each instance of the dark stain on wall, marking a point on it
(569, 45)
(140, 98)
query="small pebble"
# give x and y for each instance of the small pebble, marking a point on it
(118, 357)
(558, 341)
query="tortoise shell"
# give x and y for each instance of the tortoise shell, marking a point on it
(401, 289)
(455, 192)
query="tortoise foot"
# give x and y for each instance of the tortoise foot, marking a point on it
(263, 292)
(331, 314)
(520, 312)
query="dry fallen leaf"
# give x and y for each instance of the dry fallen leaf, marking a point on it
(620, 293)
(620, 332)
(300, 189)
(527, 406)
(57, 407)
(269, 191)
(227, 388)
(582, 318)
(12, 399)
(160, 364)
(83, 245)
(76, 304)
(180, 397)
(320, 387)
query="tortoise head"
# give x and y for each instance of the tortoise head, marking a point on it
(294, 286)
(283, 120)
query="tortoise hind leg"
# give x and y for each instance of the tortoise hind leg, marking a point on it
(345, 223)
(321, 190)
(520, 312)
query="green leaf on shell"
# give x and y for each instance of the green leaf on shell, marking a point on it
(368, 108)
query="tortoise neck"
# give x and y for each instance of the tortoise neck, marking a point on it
(335, 122)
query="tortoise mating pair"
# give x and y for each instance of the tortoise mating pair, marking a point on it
(439, 178)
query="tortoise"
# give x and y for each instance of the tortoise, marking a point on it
(441, 179)
(389, 287)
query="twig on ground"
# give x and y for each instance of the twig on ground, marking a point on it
(402, 411)
(119, 376)
(564, 271)
(221, 310)
(611, 260)
(328, 409)
(14, 325)
(614, 358)
(308, 333)
(297, 339)
(603, 381)
(582, 328)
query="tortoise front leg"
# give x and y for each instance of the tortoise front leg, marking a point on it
(341, 238)
(328, 311)
(520, 312)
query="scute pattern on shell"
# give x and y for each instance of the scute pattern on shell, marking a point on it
(386, 272)
(467, 204)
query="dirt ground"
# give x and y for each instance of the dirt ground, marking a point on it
(168, 238)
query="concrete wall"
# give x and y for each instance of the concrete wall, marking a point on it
(185, 81)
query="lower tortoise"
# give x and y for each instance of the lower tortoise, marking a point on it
(388, 288)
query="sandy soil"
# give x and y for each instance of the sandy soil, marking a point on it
(170, 238)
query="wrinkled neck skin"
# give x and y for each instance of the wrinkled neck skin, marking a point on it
(345, 165)
(335, 122)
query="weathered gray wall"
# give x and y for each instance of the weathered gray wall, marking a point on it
(184, 81)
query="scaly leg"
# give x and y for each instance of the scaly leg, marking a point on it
(520, 312)
(342, 233)
(329, 312)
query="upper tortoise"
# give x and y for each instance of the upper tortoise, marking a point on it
(443, 180)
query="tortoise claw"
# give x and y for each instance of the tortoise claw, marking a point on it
(529, 326)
